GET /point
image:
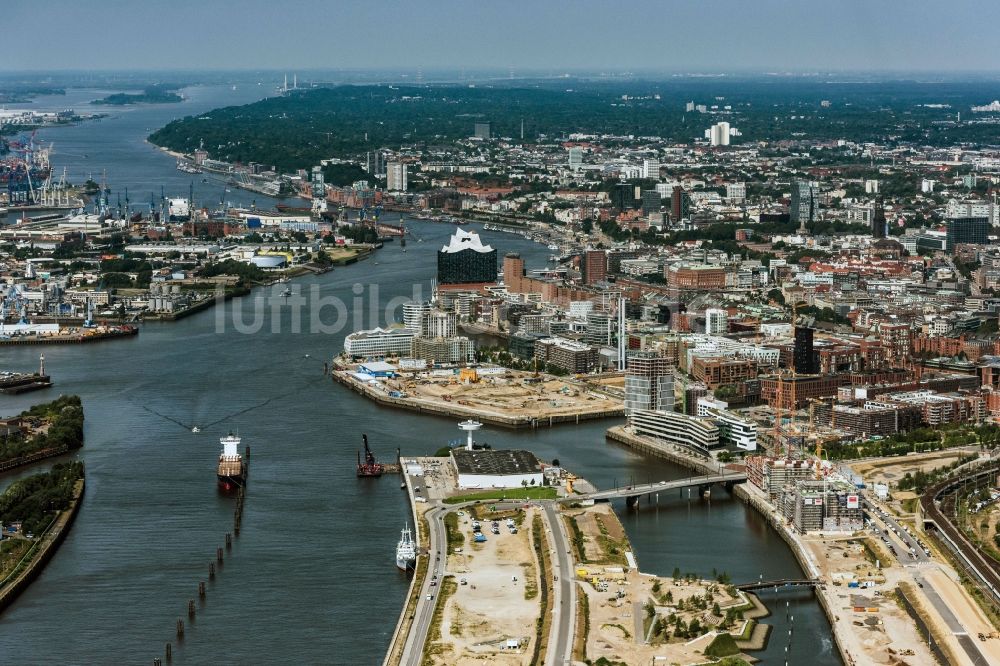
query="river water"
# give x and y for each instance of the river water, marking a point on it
(311, 579)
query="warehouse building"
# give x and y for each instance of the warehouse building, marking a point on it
(496, 469)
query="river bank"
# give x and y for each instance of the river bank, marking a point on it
(43, 550)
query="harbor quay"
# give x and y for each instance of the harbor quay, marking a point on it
(497, 396)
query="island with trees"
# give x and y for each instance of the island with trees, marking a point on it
(156, 94)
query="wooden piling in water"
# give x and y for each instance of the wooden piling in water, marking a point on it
(201, 589)
(218, 555)
(169, 650)
(180, 628)
(156, 661)
(191, 608)
(211, 570)
(229, 540)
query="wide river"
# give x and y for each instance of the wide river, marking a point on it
(311, 579)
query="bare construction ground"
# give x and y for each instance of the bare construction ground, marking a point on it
(499, 602)
(514, 393)
(870, 624)
(891, 470)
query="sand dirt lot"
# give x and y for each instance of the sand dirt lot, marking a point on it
(492, 607)
(511, 393)
(891, 470)
(884, 636)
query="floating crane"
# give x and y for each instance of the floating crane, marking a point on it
(370, 467)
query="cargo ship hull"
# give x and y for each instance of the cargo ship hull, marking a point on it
(231, 481)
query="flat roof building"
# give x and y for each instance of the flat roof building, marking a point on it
(675, 428)
(569, 355)
(491, 468)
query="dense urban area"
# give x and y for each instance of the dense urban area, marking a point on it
(794, 296)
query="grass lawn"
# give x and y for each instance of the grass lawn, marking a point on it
(536, 493)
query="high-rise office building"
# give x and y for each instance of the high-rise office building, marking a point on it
(803, 356)
(575, 157)
(973, 230)
(375, 162)
(804, 207)
(878, 220)
(623, 196)
(680, 204)
(594, 266)
(716, 321)
(465, 260)
(395, 176)
(482, 130)
(649, 383)
(599, 328)
(651, 202)
(651, 168)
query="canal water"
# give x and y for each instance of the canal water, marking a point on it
(311, 579)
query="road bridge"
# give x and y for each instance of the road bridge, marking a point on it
(634, 492)
(781, 582)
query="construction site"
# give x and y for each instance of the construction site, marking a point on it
(494, 395)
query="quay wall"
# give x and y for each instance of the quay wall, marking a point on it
(397, 643)
(453, 410)
(33, 457)
(68, 340)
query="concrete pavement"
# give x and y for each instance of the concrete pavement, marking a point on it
(562, 633)
(424, 612)
(961, 635)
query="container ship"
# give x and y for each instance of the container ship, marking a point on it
(406, 550)
(232, 468)
(370, 467)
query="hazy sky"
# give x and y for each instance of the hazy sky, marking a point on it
(540, 34)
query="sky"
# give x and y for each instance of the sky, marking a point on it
(540, 35)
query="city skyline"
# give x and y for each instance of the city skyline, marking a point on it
(773, 36)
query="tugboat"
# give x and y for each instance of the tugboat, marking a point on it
(406, 550)
(232, 469)
(370, 467)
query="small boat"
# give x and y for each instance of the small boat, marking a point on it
(195, 429)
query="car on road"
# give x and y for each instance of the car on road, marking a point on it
(463, 581)
(434, 583)
(430, 597)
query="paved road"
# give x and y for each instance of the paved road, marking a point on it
(969, 645)
(423, 614)
(564, 602)
(897, 538)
